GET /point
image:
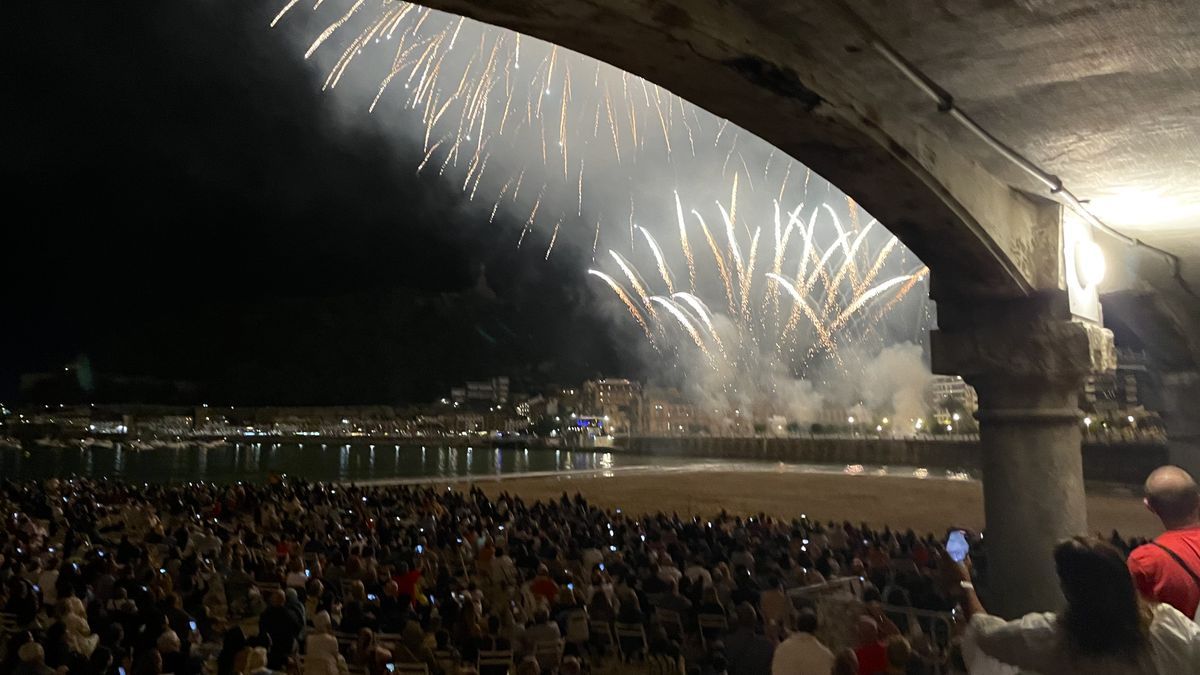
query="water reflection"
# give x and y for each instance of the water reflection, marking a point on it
(252, 461)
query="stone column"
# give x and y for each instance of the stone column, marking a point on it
(1180, 409)
(1027, 359)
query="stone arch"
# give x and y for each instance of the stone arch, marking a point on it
(796, 76)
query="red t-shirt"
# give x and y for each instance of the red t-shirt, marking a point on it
(406, 584)
(872, 658)
(1160, 577)
(545, 587)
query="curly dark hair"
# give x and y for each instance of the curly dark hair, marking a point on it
(1105, 615)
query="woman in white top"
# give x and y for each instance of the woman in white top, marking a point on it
(1105, 628)
(79, 635)
(321, 655)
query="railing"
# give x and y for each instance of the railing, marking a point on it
(936, 627)
(838, 603)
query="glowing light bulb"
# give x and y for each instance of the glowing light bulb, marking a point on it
(1090, 265)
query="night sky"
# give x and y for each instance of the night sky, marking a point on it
(183, 203)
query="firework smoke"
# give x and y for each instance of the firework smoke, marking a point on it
(787, 298)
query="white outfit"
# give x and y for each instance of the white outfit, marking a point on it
(1036, 643)
(802, 654)
(321, 656)
(48, 582)
(698, 574)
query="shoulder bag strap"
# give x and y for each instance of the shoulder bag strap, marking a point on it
(1179, 560)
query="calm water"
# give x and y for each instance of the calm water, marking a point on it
(379, 463)
(314, 461)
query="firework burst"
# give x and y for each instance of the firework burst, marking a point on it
(501, 111)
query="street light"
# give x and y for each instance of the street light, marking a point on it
(1087, 422)
(1090, 265)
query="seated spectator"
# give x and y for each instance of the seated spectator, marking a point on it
(447, 656)
(542, 586)
(101, 662)
(870, 650)
(22, 602)
(321, 655)
(899, 656)
(232, 646)
(173, 658)
(542, 629)
(746, 651)
(368, 654)
(600, 609)
(413, 649)
(33, 660)
(802, 653)
(845, 663)
(664, 655)
(283, 627)
(150, 662)
(776, 608)
(673, 601)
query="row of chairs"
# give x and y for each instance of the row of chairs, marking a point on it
(493, 659)
(8, 624)
(489, 660)
(629, 639)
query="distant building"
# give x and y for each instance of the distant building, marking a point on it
(615, 398)
(1121, 391)
(664, 412)
(494, 390)
(953, 388)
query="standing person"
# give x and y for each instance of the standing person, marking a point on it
(1106, 628)
(283, 627)
(802, 653)
(1168, 568)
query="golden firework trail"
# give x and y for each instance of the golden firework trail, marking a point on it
(491, 106)
(658, 257)
(633, 310)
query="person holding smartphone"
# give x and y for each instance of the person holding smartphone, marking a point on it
(1106, 626)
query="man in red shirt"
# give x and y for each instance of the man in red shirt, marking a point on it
(543, 586)
(1168, 569)
(871, 651)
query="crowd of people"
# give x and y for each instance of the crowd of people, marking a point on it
(104, 577)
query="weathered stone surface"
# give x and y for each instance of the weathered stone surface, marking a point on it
(1031, 339)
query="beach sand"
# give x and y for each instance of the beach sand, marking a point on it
(923, 504)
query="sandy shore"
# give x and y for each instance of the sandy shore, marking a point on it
(929, 505)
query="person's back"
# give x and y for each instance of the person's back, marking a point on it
(746, 651)
(321, 648)
(543, 630)
(1036, 643)
(281, 625)
(32, 660)
(802, 653)
(1106, 628)
(1168, 569)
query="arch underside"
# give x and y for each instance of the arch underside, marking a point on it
(803, 87)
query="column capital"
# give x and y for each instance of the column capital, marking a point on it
(1027, 353)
